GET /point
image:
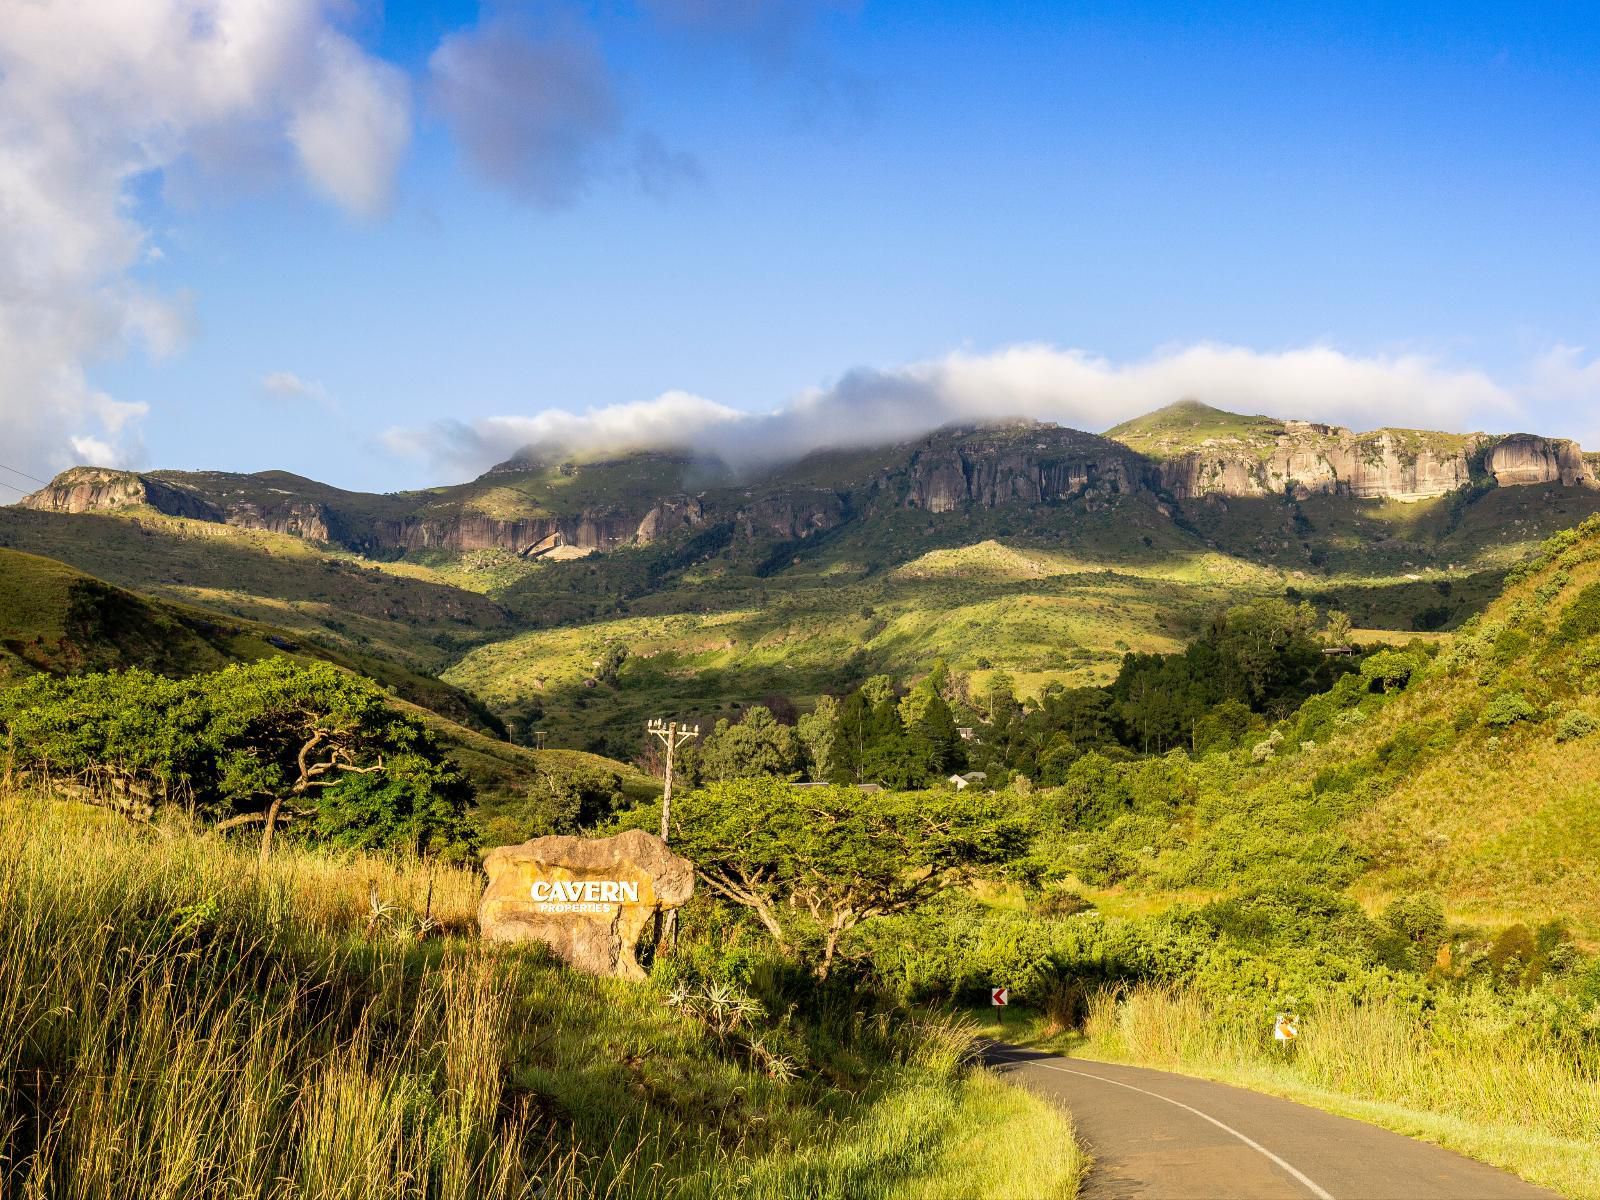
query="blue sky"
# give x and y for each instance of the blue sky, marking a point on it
(842, 198)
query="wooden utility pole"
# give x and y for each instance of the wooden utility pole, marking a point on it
(671, 735)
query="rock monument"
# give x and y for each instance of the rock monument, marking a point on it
(588, 899)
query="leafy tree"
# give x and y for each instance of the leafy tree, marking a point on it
(1223, 728)
(757, 745)
(292, 739)
(259, 744)
(1000, 700)
(609, 667)
(129, 739)
(1389, 670)
(1337, 629)
(812, 864)
(819, 731)
(878, 689)
(1094, 793)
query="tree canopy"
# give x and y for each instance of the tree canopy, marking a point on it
(259, 744)
(813, 863)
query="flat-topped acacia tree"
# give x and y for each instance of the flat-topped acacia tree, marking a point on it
(813, 863)
(259, 744)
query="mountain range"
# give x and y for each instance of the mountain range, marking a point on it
(533, 507)
(1042, 551)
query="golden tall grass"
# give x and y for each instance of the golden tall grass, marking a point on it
(180, 1027)
(177, 1025)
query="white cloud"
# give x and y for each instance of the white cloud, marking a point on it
(531, 109)
(1563, 380)
(669, 420)
(286, 385)
(94, 97)
(1069, 387)
(353, 125)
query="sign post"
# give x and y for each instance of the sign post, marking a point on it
(999, 998)
(1285, 1029)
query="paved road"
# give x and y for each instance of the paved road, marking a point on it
(1161, 1136)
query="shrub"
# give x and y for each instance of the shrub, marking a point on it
(1061, 902)
(1508, 708)
(1582, 617)
(1389, 670)
(1576, 724)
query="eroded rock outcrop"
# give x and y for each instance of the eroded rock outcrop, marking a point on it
(1524, 459)
(588, 899)
(1324, 460)
(789, 516)
(1018, 465)
(101, 489)
(296, 518)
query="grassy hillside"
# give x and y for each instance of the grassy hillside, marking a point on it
(57, 620)
(1479, 782)
(268, 577)
(1189, 425)
(187, 1026)
(1049, 599)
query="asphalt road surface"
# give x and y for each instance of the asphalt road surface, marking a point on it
(1159, 1136)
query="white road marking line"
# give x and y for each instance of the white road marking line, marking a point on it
(1319, 1192)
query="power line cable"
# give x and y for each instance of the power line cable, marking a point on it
(24, 474)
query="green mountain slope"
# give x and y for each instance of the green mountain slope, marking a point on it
(1189, 424)
(407, 615)
(1467, 769)
(58, 620)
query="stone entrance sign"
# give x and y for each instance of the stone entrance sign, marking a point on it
(588, 899)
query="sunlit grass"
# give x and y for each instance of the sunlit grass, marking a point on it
(183, 1025)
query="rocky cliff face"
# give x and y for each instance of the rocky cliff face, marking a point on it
(1390, 464)
(1033, 465)
(100, 489)
(1525, 459)
(303, 519)
(1020, 463)
(588, 530)
(1321, 460)
(788, 516)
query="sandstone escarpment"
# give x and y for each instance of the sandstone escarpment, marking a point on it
(1321, 460)
(587, 530)
(302, 519)
(1188, 453)
(1044, 465)
(669, 516)
(790, 516)
(100, 489)
(1524, 458)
